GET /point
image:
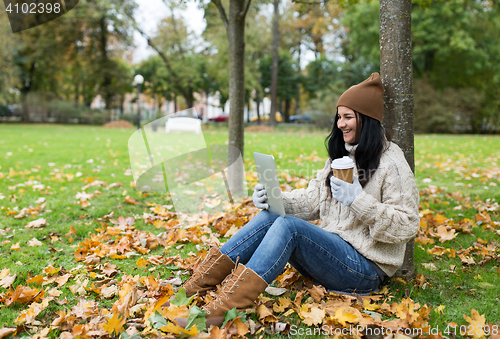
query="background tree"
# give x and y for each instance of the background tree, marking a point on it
(360, 41)
(157, 80)
(177, 47)
(9, 73)
(76, 55)
(286, 82)
(456, 47)
(275, 63)
(309, 27)
(234, 23)
(257, 43)
(447, 36)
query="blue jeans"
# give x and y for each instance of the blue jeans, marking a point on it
(269, 241)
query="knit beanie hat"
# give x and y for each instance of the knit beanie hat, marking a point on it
(366, 97)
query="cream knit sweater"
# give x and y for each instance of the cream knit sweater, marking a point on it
(381, 219)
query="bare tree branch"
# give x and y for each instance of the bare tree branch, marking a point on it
(174, 24)
(177, 81)
(246, 9)
(222, 12)
(309, 2)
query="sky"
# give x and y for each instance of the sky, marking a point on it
(149, 14)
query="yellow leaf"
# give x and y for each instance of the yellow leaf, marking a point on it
(311, 317)
(406, 310)
(38, 280)
(49, 270)
(238, 327)
(15, 247)
(439, 219)
(368, 306)
(298, 298)
(444, 234)
(28, 316)
(114, 324)
(439, 309)
(130, 200)
(25, 295)
(478, 322)
(116, 256)
(160, 306)
(281, 305)
(57, 321)
(5, 272)
(176, 329)
(62, 279)
(142, 262)
(345, 314)
(265, 314)
(71, 231)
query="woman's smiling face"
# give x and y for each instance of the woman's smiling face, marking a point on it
(347, 123)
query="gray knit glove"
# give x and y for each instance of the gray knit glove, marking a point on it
(345, 192)
(260, 197)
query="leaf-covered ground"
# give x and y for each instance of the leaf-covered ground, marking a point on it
(86, 255)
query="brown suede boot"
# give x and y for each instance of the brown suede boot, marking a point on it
(209, 273)
(239, 289)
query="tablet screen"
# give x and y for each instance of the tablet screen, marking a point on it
(268, 176)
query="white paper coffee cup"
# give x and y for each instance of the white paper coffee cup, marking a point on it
(343, 169)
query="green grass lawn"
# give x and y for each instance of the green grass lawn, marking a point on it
(458, 177)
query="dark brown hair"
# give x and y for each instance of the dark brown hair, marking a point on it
(371, 140)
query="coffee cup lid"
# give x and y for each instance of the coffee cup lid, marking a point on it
(342, 163)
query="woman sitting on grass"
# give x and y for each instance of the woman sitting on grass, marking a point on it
(364, 225)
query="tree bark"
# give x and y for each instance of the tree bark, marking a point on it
(28, 85)
(235, 28)
(286, 113)
(397, 77)
(274, 67)
(106, 77)
(257, 101)
(297, 99)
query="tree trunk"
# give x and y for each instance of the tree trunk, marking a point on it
(106, 76)
(189, 99)
(77, 93)
(274, 69)
(235, 28)
(257, 101)
(28, 85)
(286, 113)
(236, 39)
(397, 77)
(297, 99)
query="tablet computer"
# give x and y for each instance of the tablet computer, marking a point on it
(268, 176)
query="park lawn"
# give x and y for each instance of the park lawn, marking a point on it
(73, 177)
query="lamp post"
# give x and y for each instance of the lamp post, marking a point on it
(138, 81)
